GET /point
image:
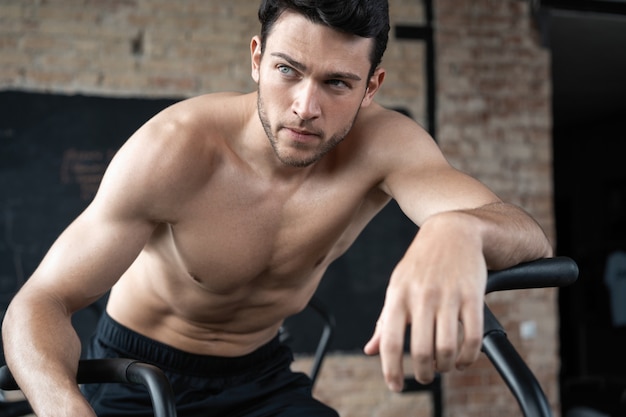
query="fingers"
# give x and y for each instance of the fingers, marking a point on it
(471, 334)
(446, 333)
(447, 339)
(392, 331)
(422, 344)
(372, 347)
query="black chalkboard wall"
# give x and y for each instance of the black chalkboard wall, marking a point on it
(53, 151)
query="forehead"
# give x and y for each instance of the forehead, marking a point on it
(316, 45)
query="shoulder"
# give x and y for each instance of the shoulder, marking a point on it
(192, 130)
(394, 141)
(186, 131)
(173, 154)
(217, 112)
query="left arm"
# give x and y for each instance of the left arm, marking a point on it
(509, 235)
(438, 286)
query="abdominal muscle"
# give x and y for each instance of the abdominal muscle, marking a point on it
(171, 306)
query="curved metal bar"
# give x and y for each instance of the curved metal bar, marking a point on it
(513, 370)
(121, 371)
(158, 385)
(542, 273)
(131, 372)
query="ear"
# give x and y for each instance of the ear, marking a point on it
(373, 85)
(255, 54)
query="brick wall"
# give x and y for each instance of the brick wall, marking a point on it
(493, 118)
(127, 47)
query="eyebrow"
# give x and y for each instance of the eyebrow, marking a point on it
(301, 67)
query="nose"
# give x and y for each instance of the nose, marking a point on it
(306, 103)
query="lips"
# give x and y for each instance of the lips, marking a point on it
(301, 131)
(301, 135)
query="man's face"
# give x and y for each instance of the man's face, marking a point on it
(312, 82)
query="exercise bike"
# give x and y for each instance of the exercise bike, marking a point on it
(543, 273)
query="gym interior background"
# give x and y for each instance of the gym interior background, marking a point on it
(527, 96)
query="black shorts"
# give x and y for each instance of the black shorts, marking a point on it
(258, 384)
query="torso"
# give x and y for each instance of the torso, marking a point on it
(242, 253)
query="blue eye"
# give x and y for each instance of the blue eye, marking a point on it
(283, 69)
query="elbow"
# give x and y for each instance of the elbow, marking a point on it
(10, 325)
(548, 251)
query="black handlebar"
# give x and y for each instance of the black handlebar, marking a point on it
(543, 273)
(134, 372)
(118, 370)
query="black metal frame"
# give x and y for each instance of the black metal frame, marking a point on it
(553, 272)
(544, 273)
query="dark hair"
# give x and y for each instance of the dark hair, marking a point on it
(365, 18)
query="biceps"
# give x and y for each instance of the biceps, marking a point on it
(89, 257)
(423, 193)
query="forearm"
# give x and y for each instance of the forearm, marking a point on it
(440, 283)
(42, 350)
(506, 233)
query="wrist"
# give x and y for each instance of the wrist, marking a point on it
(454, 225)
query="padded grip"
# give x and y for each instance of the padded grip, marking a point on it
(98, 370)
(89, 371)
(542, 273)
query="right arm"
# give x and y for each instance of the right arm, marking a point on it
(41, 347)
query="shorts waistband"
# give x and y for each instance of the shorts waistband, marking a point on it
(134, 345)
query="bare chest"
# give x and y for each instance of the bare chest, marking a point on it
(236, 239)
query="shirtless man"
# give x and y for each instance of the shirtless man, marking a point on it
(210, 235)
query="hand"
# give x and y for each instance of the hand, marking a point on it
(437, 289)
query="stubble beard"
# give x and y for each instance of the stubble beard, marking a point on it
(323, 149)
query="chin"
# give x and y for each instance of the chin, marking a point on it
(298, 161)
